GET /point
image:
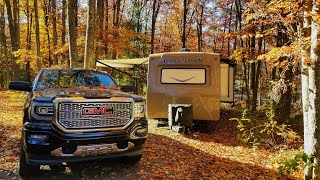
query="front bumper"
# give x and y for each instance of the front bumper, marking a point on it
(59, 146)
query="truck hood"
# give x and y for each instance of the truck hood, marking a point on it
(48, 95)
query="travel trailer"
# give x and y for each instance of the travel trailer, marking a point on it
(194, 78)
(199, 79)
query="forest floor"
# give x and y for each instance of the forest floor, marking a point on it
(167, 155)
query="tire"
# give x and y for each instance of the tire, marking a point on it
(57, 168)
(133, 159)
(26, 170)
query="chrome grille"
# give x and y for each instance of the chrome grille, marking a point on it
(70, 115)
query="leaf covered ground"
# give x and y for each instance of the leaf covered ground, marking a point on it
(167, 155)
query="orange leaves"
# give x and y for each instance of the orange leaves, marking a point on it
(308, 62)
(10, 128)
(167, 155)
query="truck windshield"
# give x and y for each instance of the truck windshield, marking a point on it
(51, 78)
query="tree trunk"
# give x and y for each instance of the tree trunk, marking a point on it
(47, 12)
(16, 19)
(116, 24)
(63, 22)
(89, 52)
(72, 32)
(37, 33)
(229, 28)
(185, 11)
(155, 11)
(106, 34)
(28, 40)
(199, 29)
(305, 85)
(100, 21)
(14, 35)
(3, 47)
(239, 17)
(246, 82)
(55, 32)
(312, 146)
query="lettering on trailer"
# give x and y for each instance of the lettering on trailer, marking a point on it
(181, 61)
(97, 110)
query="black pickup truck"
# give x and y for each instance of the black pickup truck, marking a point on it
(73, 115)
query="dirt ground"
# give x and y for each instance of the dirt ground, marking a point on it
(217, 154)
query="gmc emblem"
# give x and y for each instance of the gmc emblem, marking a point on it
(97, 110)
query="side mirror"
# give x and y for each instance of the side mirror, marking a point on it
(20, 86)
(128, 88)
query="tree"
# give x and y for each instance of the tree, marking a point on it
(106, 26)
(72, 33)
(63, 22)
(13, 18)
(185, 11)
(312, 124)
(37, 33)
(155, 12)
(100, 25)
(28, 40)
(305, 83)
(47, 13)
(116, 25)
(54, 29)
(89, 53)
(3, 49)
(199, 27)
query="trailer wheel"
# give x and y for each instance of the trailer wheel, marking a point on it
(203, 126)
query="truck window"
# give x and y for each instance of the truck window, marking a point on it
(73, 78)
(183, 76)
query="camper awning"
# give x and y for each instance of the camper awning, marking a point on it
(129, 63)
(122, 63)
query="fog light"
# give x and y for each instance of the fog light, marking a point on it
(38, 139)
(39, 136)
(141, 132)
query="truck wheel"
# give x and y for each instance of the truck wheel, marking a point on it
(57, 168)
(133, 159)
(26, 170)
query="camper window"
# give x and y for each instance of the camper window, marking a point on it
(183, 76)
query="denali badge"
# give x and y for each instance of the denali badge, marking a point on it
(97, 110)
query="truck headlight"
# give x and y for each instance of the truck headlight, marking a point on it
(44, 109)
(139, 109)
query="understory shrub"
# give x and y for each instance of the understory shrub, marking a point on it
(265, 130)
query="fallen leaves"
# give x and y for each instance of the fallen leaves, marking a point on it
(11, 104)
(167, 155)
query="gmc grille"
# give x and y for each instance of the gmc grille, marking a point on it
(71, 116)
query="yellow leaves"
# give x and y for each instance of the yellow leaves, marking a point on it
(316, 18)
(24, 55)
(11, 104)
(259, 35)
(240, 54)
(276, 52)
